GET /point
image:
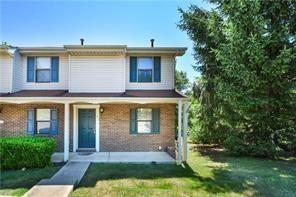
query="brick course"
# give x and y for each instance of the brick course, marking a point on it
(114, 126)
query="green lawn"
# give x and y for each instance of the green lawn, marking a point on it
(18, 182)
(209, 172)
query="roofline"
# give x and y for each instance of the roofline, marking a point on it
(129, 50)
(95, 46)
(94, 100)
(5, 49)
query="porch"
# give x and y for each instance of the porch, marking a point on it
(109, 120)
(116, 157)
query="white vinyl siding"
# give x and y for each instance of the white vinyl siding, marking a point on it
(17, 72)
(96, 74)
(5, 73)
(167, 76)
(63, 76)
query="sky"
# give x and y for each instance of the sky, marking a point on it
(127, 22)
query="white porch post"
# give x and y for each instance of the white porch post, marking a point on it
(185, 129)
(179, 159)
(66, 131)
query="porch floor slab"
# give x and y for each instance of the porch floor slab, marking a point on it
(116, 157)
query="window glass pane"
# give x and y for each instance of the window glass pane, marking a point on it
(145, 63)
(144, 75)
(43, 114)
(43, 75)
(144, 114)
(144, 127)
(43, 127)
(43, 63)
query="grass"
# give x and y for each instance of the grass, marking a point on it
(209, 172)
(18, 182)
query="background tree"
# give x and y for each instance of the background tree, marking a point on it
(245, 52)
(203, 28)
(182, 83)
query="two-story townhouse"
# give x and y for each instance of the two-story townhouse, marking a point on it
(93, 97)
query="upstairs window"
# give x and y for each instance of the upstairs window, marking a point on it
(145, 69)
(43, 69)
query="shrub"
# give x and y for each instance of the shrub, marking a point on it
(28, 152)
(240, 145)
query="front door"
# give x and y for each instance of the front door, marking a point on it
(86, 128)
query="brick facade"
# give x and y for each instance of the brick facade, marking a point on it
(114, 126)
(114, 129)
(14, 117)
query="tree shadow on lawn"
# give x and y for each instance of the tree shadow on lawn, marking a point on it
(193, 180)
(270, 177)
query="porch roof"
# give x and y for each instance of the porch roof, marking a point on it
(126, 94)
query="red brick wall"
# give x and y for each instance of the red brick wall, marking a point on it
(114, 126)
(14, 117)
(114, 129)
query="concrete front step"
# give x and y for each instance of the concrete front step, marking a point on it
(62, 183)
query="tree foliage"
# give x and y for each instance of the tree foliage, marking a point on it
(245, 51)
(182, 83)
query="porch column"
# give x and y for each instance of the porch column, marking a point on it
(185, 129)
(179, 159)
(66, 131)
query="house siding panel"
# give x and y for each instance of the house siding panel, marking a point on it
(17, 72)
(96, 74)
(167, 76)
(5, 73)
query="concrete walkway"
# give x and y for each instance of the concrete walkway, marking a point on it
(62, 183)
(117, 157)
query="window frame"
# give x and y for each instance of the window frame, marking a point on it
(152, 69)
(150, 121)
(42, 69)
(37, 121)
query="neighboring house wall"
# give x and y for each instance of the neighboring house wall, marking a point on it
(17, 81)
(14, 117)
(5, 73)
(167, 75)
(63, 76)
(114, 126)
(115, 123)
(96, 74)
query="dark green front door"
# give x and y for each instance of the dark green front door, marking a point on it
(87, 128)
